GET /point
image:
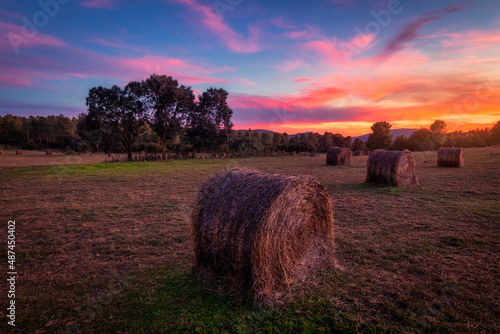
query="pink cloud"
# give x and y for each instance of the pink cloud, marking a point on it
(213, 22)
(115, 43)
(308, 99)
(302, 79)
(328, 51)
(280, 23)
(243, 81)
(16, 38)
(108, 4)
(289, 65)
(317, 97)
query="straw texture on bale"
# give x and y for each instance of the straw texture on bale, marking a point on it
(393, 168)
(262, 231)
(339, 156)
(451, 157)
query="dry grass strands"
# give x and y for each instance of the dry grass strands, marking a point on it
(262, 231)
(451, 157)
(393, 168)
(339, 156)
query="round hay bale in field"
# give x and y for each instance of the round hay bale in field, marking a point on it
(19, 151)
(339, 156)
(264, 231)
(359, 153)
(451, 157)
(393, 168)
(49, 152)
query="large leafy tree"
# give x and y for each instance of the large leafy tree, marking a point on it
(168, 104)
(422, 140)
(381, 136)
(438, 129)
(122, 110)
(358, 144)
(210, 121)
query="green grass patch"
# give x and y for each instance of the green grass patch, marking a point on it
(168, 302)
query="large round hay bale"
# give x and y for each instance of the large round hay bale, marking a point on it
(339, 156)
(451, 157)
(19, 151)
(359, 153)
(262, 231)
(393, 168)
(49, 152)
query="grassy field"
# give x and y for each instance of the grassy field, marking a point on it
(104, 248)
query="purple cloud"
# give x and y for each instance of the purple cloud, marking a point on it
(410, 32)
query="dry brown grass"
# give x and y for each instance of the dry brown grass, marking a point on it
(260, 230)
(450, 157)
(339, 156)
(36, 158)
(392, 168)
(415, 260)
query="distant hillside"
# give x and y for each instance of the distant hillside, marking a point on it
(395, 133)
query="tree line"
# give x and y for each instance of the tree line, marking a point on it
(430, 139)
(160, 115)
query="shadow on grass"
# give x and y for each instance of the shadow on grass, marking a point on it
(163, 302)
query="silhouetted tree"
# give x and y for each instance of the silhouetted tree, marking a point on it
(209, 124)
(438, 128)
(402, 142)
(422, 140)
(381, 136)
(121, 109)
(495, 134)
(358, 144)
(168, 104)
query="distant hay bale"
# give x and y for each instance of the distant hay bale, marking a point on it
(359, 153)
(451, 157)
(49, 152)
(393, 168)
(19, 151)
(264, 231)
(339, 156)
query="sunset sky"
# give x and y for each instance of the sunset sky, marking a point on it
(294, 66)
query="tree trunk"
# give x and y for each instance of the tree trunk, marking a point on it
(163, 149)
(130, 158)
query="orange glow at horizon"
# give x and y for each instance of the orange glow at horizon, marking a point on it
(354, 129)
